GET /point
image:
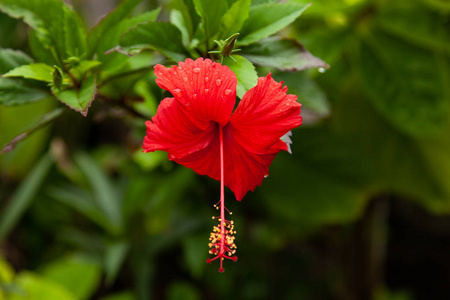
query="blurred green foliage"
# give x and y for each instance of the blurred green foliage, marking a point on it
(85, 215)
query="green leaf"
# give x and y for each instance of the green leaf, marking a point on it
(78, 100)
(75, 34)
(15, 92)
(110, 39)
(10, 59)
(283, 54)
(104, 191)
(245, 73)
(50, 19)
(211, 12)
(36, 287)
(79, 71)
(405, 83)
(234, 18)
(37, 71)
(267, 19)
(180, 17)
(177, 19)
(40, 51)
(24, 195)
(163, 37)
(98, 33)
(78, 277)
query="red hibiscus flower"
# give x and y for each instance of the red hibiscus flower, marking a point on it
(199, 130)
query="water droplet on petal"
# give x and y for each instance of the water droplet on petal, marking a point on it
(206, 91)
(176, 92)
(206, 79)
(227, 92)
(287, 104)
(194, 96)
(185, 79)
(321, 70)
(196, 70)
(218, 82)
(267, 175)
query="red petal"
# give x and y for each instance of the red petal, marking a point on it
(243, 170)
(207, 160)
(172, 131)
(207, 88)
(263, 116)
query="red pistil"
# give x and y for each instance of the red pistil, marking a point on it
(221, 238)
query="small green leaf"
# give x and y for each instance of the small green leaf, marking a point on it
(79, 71)
(245, 73)
(97, 35)
(211, 12)
(10, 59)
(39, 71)
(78, 100)
(162, 37)
(234, 18)
(267, 19)
(24, 195)
(283, 54)
(15, 92)
(111, 38)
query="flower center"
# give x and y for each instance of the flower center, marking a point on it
(221, 238)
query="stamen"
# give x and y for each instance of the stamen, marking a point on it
(221, 238)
